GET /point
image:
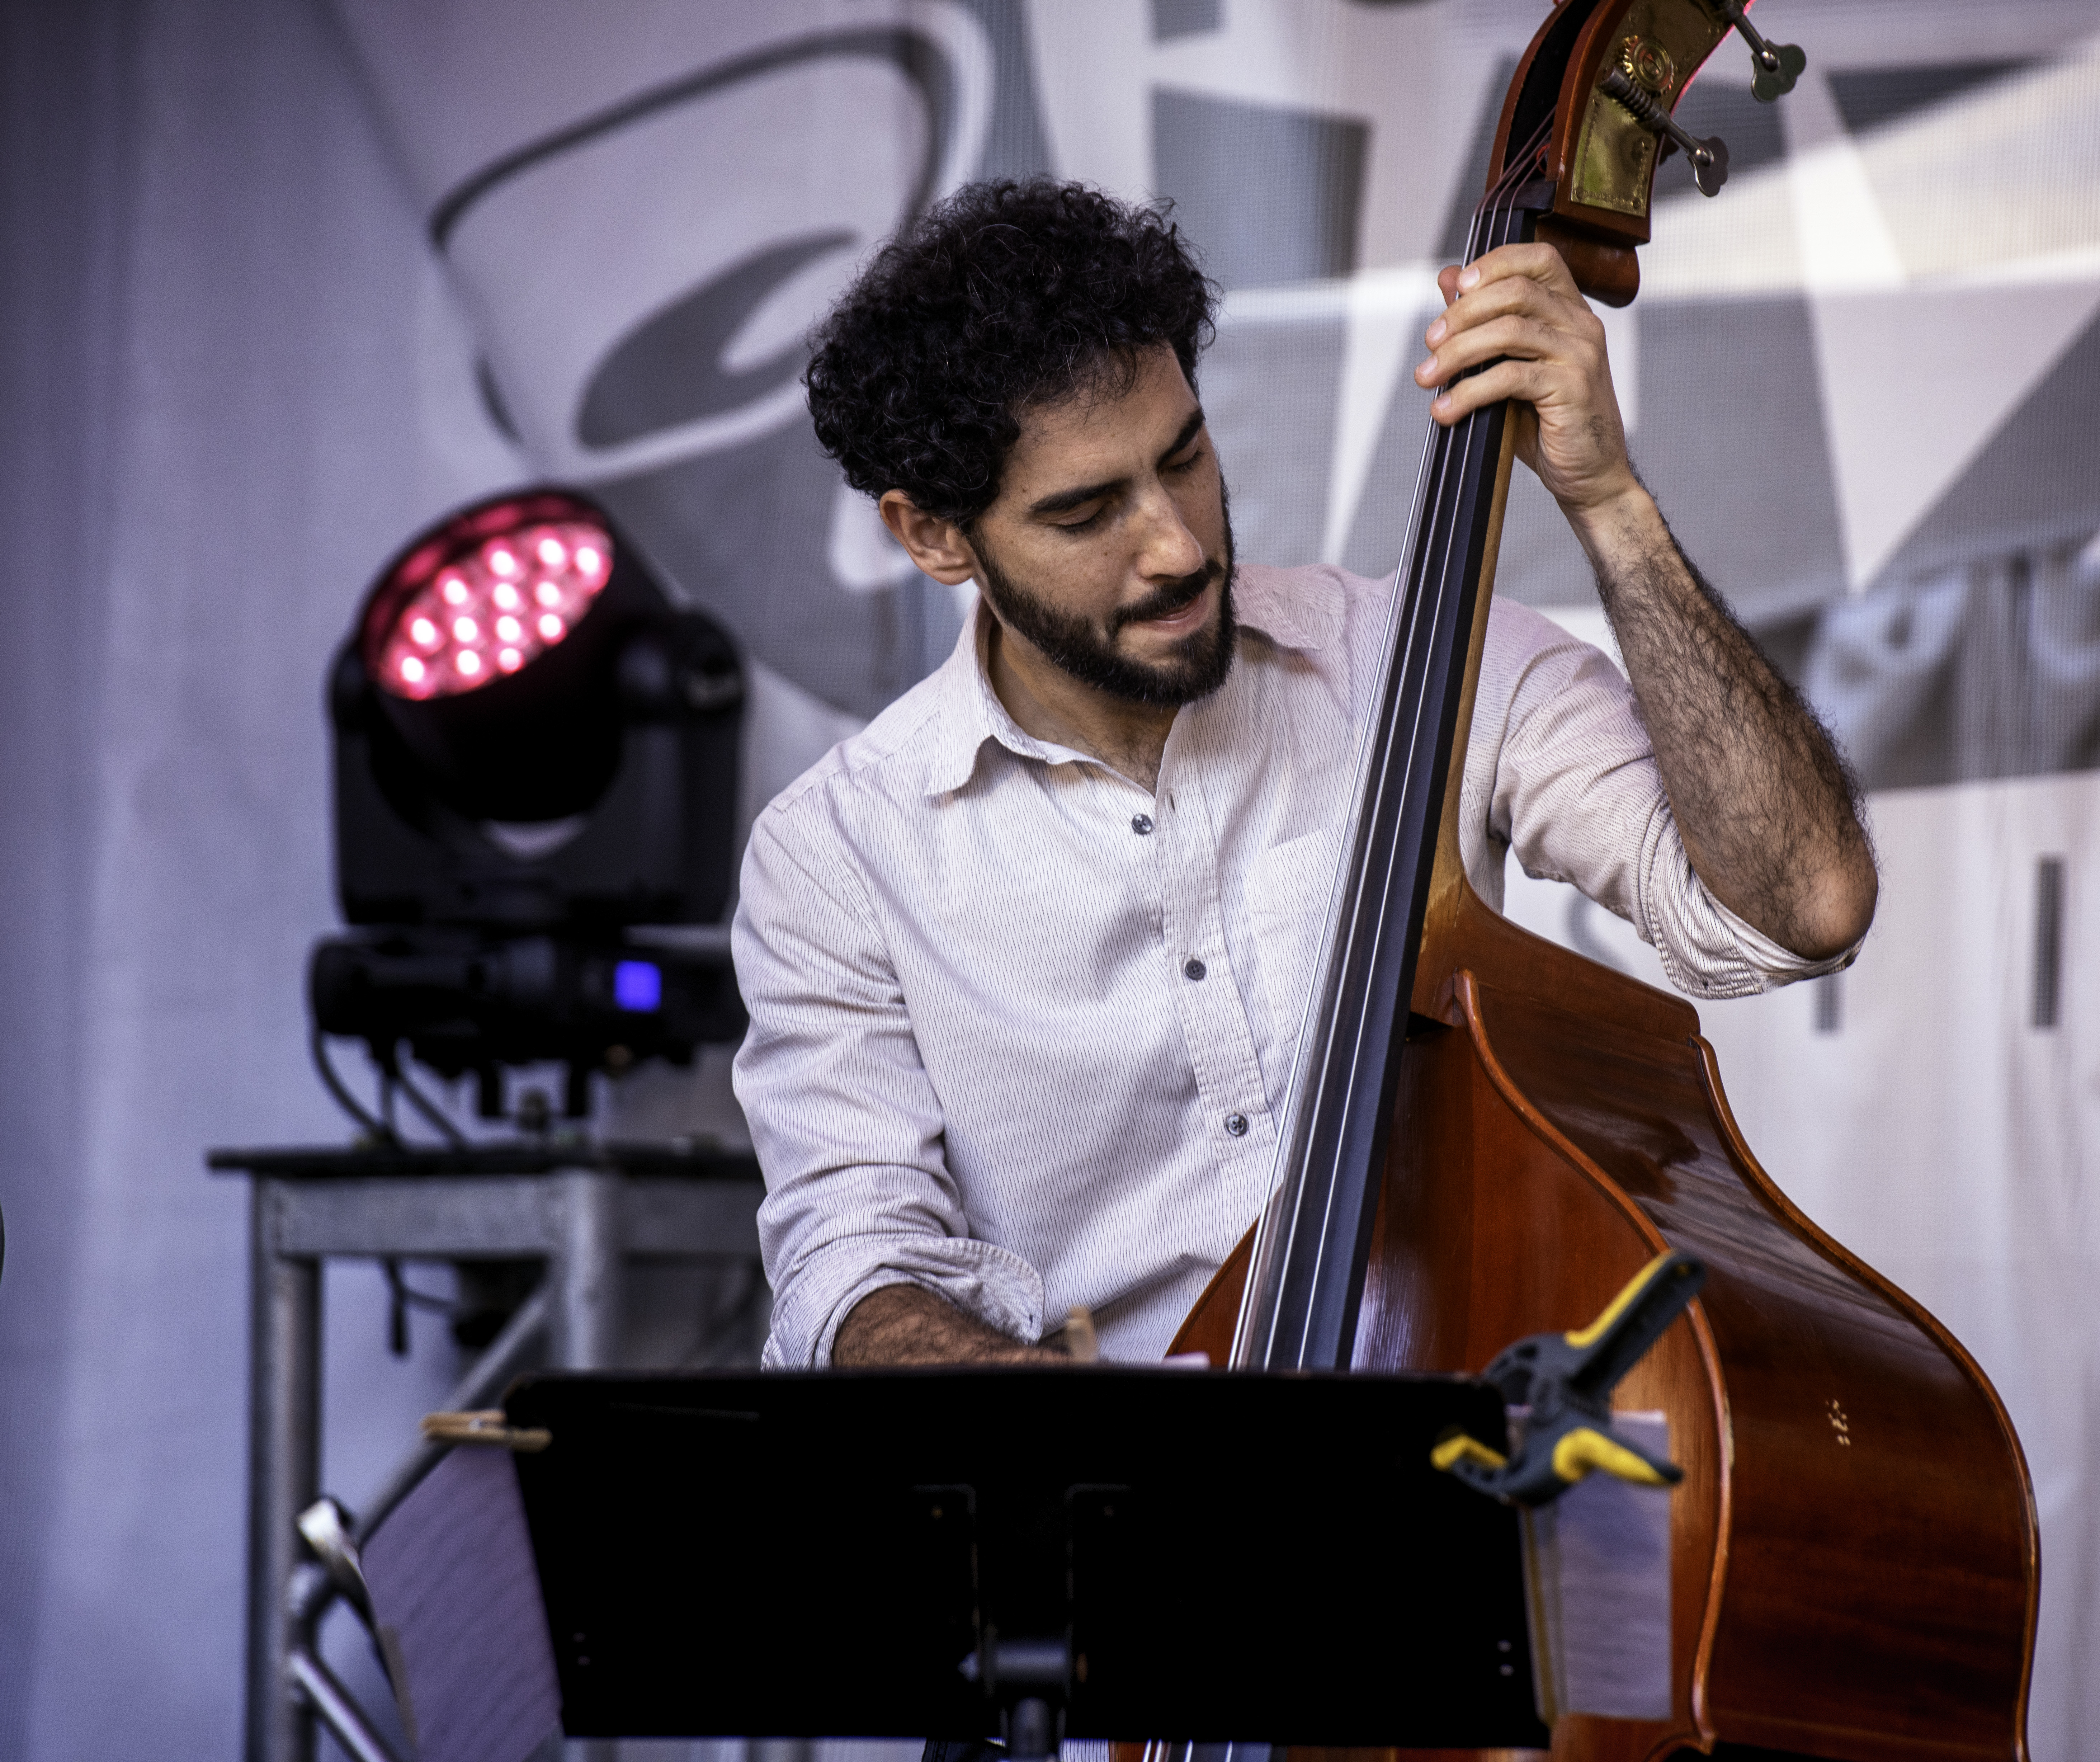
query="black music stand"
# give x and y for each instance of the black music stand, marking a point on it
(1085, 1553)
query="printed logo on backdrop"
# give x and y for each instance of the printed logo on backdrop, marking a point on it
(1857, 381)
(643, 275)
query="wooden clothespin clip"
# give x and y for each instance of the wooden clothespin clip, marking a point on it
(486, 1426)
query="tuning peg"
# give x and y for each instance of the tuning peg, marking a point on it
(1710, 161)
(1777, 65)
(1709, 157)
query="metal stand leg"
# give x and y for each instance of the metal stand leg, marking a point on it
(585, 1322)
(283, 1475)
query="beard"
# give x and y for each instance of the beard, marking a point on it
(1195, 668)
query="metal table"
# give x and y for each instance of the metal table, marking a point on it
(585, 1209)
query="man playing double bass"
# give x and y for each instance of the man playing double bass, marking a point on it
(1026, 959)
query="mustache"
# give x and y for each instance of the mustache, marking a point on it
(1170, 598)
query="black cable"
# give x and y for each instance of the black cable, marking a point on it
(428, 1108)
(392, 1076)
(397, 1282)
(375, 1127)
(401, 1297)
(397, 1310)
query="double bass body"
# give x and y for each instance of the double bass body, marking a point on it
(1854, 1551)
(1854, 1567)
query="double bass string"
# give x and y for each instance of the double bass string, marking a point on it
(1374, 776)
(1485, 232)
(1347, 921)
(1325, 1029)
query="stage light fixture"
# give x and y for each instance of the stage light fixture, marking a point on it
(534, 785)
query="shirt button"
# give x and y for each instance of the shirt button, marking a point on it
(1193, 969)
(1140, 823)
(1236, 1124)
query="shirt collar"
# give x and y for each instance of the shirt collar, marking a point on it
(1294, 608)
(971, 714)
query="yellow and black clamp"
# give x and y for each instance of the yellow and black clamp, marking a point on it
(1562, 1384)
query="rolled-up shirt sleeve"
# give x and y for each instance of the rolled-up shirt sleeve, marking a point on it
(843, 1117)
(1576, 794)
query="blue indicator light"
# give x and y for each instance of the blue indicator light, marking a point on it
(638, 985)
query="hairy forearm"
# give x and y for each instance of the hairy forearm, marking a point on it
(1763, 801)
(905, 1324)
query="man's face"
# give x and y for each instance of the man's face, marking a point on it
(1109, 549)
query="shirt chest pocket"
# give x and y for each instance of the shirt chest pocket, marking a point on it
(1290, 892)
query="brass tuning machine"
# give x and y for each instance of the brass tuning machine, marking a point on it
(1777, 65)
(1645, 74)
(1626, 84)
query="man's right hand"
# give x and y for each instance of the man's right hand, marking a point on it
(907, 1324)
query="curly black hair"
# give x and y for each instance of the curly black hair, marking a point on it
(1006, 294)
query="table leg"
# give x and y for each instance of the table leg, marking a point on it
(585, 1273)
(283, 1475)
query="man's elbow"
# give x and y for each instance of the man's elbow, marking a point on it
(1839, 911)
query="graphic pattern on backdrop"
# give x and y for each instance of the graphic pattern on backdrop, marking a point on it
(1857, 379)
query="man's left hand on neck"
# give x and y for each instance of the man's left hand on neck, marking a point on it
(1763, 801)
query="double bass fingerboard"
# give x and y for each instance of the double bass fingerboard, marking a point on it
(1306, 1281)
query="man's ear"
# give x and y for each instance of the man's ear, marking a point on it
(936, 545)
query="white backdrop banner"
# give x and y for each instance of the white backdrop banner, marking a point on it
(1859, 382)
(286, 279)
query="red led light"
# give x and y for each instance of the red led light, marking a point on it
(455, 631)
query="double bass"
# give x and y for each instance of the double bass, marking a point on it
(1486, 1135)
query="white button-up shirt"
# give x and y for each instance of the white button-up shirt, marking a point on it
(1019, 1027)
